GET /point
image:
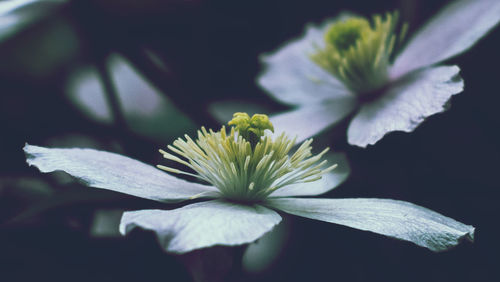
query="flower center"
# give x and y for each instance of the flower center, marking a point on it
(344, 35)
(241, 170)
(358, 53)
(251, 129)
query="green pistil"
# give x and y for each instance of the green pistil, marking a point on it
(251, 129)
(343, 35)
(358, 53)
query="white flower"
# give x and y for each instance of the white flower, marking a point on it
(248, 180)
(344, 67)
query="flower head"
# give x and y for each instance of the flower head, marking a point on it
(357, 52)
(246, 185)
(350, 65)
(242, 171)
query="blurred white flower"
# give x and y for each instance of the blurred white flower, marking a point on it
(343, 67)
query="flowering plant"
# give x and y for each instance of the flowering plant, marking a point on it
(348, 67)
(250, 172)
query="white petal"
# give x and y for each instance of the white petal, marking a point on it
(16, 15)
(327, 182)
(398, 219)
(266, 251)
(115, 172)
(203, 224)
(146, 110)
(291, 77)
(10, 6)
(405, 105)
(309, 120)
(452, 31)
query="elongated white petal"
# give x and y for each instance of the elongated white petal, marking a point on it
(115, 172)
(16, 15)
(309, 120)
(405, 105)
(146, 109)
(398, 219)
(328, 181)
(452, 31)
(291, 77)
(203, 224)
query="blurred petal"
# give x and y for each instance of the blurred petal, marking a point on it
(405, 105)
(19, 194)
(452, 31)
(398, 219)
(267, 250)
(291, 77)
(15, 15)
(309, 120)
(203, 225)
(115, 172)
(145, 108)
(105, 223)
(328, 182)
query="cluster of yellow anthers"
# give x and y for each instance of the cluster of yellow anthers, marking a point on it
(242, 171)
(358, 53)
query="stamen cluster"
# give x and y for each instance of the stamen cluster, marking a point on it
(358, 53)
(244, 172)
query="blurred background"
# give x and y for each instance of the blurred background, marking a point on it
(131, 76)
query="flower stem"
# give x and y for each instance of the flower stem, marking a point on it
(217, 264)
(111, 93)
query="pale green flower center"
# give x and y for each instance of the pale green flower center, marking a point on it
(359, 52)
(242, 171)
(251, 129)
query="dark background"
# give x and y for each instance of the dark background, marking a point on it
(206, 52)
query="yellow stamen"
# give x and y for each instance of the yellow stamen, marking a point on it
(241, 171)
